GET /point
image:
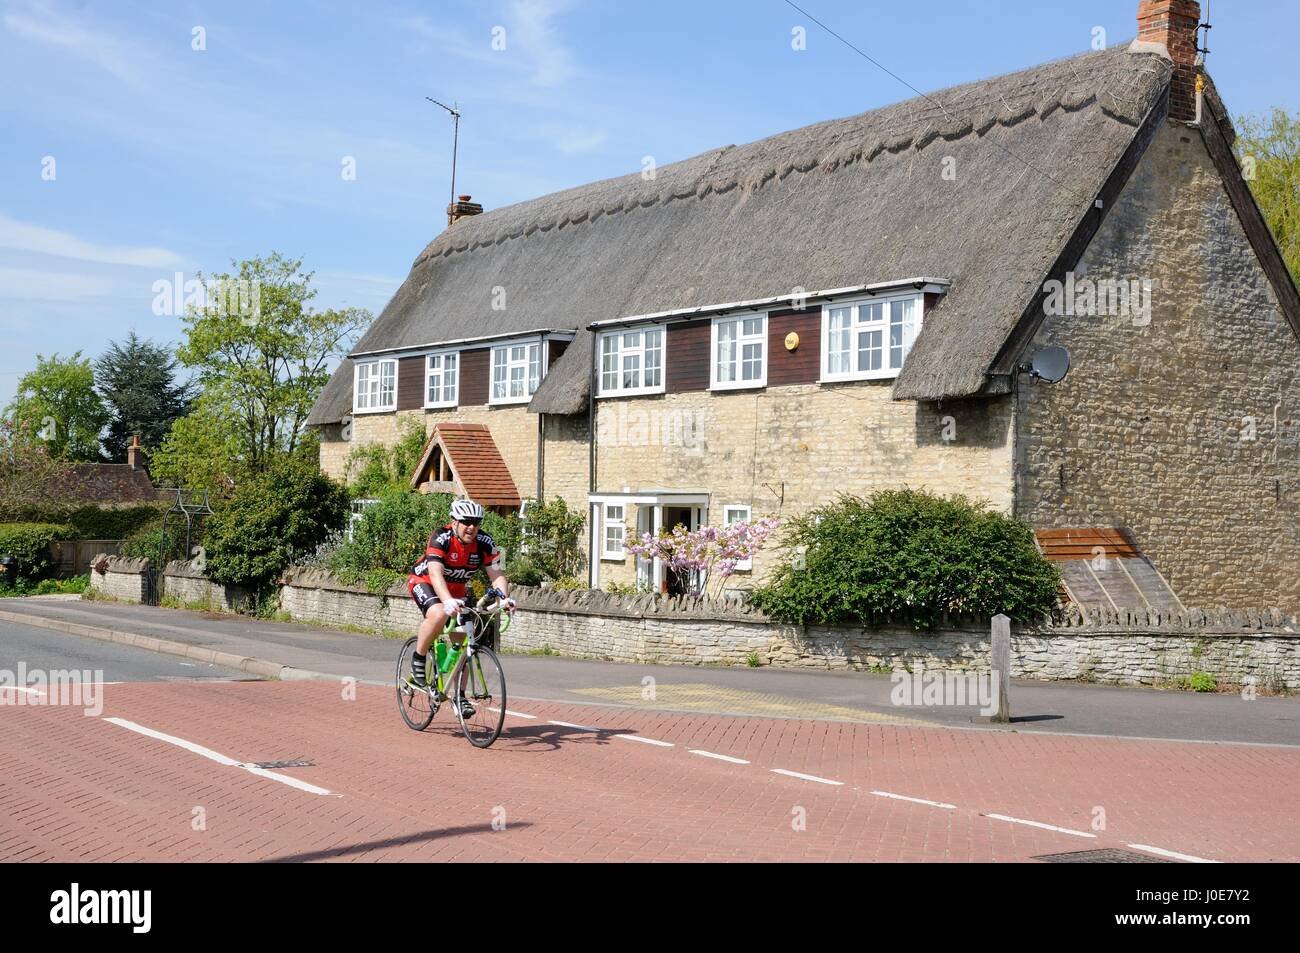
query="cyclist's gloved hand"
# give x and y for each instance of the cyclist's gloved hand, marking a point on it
(451, 606)
(510, 605)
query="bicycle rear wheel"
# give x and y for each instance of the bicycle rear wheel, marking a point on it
(414, 704)
(484, 684)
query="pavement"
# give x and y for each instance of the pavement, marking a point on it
(213, 764)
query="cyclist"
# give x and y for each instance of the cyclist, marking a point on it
(438, 582)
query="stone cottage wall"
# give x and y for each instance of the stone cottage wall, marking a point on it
(1186, 429)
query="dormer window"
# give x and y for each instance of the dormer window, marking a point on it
(869, 339)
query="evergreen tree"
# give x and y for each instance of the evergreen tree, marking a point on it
(137, 380)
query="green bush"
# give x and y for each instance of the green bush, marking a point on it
(1203, 682)
(270, 519)
(393, 533)
(90, 522)
(29, 544)
(375, 470)
(911, 555)
(150, 542)
(525, 572)
(553, 536)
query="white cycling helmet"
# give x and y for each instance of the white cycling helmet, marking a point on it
(466, 511)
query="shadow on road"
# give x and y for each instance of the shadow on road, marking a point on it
(424, 837)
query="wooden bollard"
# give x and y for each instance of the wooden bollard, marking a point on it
(1000, 659)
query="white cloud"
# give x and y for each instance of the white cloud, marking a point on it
(571, 138)
(27, 284)
(531, 28)
(44, 23)
(21, 236)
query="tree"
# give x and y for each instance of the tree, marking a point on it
(261, 353)
(1269, 153)
(202, 450)
(137, 380)
(30, 479)
(57, 403)
(282, 513)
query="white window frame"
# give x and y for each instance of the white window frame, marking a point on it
(743, 565)
(887, 369)
(621, 352)
(742, 339)
(620, 554)
(526, 343)
(378, 366)
(442, 371)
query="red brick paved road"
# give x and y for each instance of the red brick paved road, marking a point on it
(74, 787)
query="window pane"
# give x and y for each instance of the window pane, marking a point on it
(903, 328)
(517, 380)
(869, 350)
(753, 326)
(517, 353)
(632, 339)
(609, 344)
(872, 312)
(726, 358)
(652, 358)
(499, 357)
(753, 362)
(837, 354)
(631, 370)
(534, 366)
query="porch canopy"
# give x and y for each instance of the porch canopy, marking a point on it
(688, 506)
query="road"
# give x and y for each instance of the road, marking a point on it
(197, 763)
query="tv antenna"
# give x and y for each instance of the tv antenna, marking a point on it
(455, 140)
(1203, 51)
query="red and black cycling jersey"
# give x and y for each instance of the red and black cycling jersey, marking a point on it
(459, 561)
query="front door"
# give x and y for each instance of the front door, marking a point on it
(678, 583)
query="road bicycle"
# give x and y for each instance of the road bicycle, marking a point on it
(472, 667)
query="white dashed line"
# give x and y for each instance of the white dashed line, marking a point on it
(515, 714)
(1174, 854)
(806, 777)
(720, 757)
(915, 800)
(21, 688)
(647, 741)
(216, 756)
(1046, 827)
(569, 724)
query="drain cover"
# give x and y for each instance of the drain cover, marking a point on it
(282, 764)
(1107, 855)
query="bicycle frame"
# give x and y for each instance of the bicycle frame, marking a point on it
(467, 651)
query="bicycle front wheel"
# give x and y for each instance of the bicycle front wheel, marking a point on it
(412, 701)
(483, 684)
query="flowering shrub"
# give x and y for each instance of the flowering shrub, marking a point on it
(711, 552)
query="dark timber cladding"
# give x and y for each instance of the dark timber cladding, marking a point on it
(410, 383)
(686, 357)
(475, 376)
(803, 364)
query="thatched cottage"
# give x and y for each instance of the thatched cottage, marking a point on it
(854, 305)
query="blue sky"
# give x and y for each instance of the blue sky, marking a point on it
(168, 158)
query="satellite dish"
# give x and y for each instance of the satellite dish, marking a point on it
(1050, 364)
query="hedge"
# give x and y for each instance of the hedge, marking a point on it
(29, 544)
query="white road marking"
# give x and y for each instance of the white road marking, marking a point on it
(216, 756)
(805, 777)
(720, 757)
(647, 741)
(915, 800)
(1174, 854)
(515, 714)
(569, 724)
(1046, 827)
(21, 688)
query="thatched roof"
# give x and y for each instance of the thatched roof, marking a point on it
(846, 202)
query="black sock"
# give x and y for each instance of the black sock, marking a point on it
(417, 665)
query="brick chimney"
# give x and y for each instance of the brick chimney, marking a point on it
(135, 457)
(1172, 24)
(462, 208)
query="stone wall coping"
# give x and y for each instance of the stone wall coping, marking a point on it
(121, 564)
(1192, 622)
